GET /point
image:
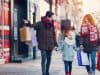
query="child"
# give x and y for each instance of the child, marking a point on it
(67, 47)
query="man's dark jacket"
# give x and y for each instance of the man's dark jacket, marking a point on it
(46, 34)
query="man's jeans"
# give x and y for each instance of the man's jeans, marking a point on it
(92, 58)
(46, 60)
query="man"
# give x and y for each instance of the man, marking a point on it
(46, 40)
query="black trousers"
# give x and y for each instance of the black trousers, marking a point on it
(68, 66)
(34, 52)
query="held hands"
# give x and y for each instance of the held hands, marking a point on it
(55, 48)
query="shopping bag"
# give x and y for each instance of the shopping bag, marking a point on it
(82, 58)
(25, 34)
(98, 62)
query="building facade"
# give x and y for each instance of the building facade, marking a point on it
(12, 13)
(5, 31)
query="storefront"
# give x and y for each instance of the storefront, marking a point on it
(12, 13)
(5, 31)
(19, 50)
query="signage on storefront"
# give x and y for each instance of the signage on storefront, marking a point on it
(4, 30)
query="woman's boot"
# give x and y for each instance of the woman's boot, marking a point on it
(67, 73)
(93, 72)
(89, 73)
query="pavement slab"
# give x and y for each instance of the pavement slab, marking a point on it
(33, 67)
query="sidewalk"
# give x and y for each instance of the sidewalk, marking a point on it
(34, 67)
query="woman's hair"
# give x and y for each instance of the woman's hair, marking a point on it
(89, 18)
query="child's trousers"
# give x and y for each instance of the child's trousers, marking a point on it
(68, 66)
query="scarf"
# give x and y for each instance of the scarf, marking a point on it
(84, 29)
(93, 33)
(90, 31)
(69, 41)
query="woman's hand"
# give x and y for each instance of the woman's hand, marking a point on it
(99, 48)
(81, 47)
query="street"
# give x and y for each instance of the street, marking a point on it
(26, 25)
(34, 67)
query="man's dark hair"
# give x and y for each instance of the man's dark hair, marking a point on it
(49, 14)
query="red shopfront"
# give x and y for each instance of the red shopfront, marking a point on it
(5, 30)
(12, 13)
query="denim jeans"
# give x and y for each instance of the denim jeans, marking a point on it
(92, 59)
(46, 60)
(68, 66)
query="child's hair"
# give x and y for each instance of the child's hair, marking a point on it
(65, 24)
(66, 30)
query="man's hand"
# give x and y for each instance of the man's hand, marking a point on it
(55, 48)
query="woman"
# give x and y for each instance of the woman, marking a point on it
(89, 37)
(33, 43)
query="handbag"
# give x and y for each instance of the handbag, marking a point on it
(25, 34)
(98, 62)
(82, 58)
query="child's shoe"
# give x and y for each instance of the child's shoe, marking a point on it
(68, 73)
